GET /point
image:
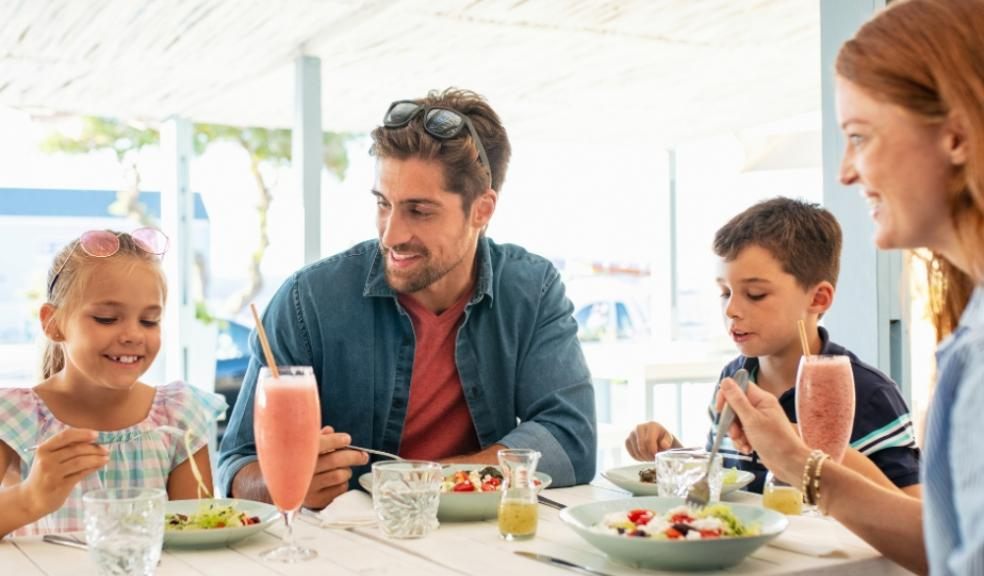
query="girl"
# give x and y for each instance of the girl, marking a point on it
(910, 87)
(90, 423)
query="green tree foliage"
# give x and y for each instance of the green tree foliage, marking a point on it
(264, 146)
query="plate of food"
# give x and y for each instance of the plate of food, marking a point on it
(666, 534)
(469, 491)
(640, 479)
(214, 522)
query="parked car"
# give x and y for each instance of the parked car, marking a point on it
(610, 320)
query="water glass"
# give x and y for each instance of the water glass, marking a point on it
(125, 529)
(405, 496)
(677, 470)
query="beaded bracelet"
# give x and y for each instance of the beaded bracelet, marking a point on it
(816, 482)
(808, 473)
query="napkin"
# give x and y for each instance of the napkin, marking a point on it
(811, 536)
(351, 509)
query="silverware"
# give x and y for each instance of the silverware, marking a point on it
(376, 452)
(550, 503)
(164, 429)
(69, 541)
(560, 562)
(700, 492)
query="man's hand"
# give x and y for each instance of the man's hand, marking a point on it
(334, 468)
(647, 439)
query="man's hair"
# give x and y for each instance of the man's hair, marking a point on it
(463, 171)
(804, 237)
(927, 56)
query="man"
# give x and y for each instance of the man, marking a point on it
(433, 342)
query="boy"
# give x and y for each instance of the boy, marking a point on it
(779, 264)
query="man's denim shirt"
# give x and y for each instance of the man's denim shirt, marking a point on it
(522, 371)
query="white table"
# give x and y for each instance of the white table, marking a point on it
(455, 550)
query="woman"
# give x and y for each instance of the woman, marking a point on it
(910, 98)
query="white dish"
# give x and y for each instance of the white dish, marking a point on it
(709, 554)
(627, 478)
(215, 537)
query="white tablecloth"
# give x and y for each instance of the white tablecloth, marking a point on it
(454, 549)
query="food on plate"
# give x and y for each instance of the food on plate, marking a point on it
(649, 475)
(209, 516)
(488, 479)
(679, 523)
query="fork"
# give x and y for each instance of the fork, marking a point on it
(699, 492)
(173, 430)
(376, 452)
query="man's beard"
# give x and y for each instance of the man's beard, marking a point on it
(417, 280)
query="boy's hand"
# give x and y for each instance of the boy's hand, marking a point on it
(59, 464)
(647, 439)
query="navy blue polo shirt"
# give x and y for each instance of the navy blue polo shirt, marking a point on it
(882, 426)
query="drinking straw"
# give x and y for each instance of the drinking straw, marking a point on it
(803, 339)
(271, 362)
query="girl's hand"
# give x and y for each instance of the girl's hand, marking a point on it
(647, 439)
(59, 464)
(761, 425)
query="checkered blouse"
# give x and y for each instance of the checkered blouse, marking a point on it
(139, 455)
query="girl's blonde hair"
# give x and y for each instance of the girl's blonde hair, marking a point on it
(68, 276)
(927, 56)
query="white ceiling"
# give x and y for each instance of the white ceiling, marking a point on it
(668, 70)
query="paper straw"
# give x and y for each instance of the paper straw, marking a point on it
(803, 340)
(271, 361)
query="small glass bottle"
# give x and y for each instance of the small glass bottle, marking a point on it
(781, 497)
(518, 513)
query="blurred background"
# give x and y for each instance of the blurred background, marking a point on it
(638, 128)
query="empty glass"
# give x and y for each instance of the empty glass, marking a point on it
(124, 528)
(405, 496)
(677, 470)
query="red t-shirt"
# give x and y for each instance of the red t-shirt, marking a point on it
(438, 423)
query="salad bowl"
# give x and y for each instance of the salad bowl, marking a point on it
(588, 520)
(463, 506)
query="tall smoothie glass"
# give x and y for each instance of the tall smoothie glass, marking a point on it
(286, 424)
(825, 405)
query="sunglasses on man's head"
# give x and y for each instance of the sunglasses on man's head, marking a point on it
(441, 123)
(103, 244)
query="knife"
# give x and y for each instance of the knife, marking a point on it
(560, 562)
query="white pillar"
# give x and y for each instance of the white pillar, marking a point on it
(306, 144)
(177, 215)
(868, 316)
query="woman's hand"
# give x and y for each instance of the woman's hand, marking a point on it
(60, 463)
(761, 425)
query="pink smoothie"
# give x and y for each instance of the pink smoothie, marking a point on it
(825, 403)
(286, 423)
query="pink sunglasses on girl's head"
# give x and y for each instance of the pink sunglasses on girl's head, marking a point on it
(103, 244)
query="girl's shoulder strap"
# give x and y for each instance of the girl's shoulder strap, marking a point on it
(23, 415)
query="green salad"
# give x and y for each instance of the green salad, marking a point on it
(209, 516)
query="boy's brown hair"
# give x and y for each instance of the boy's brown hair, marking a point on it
(804, 237)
